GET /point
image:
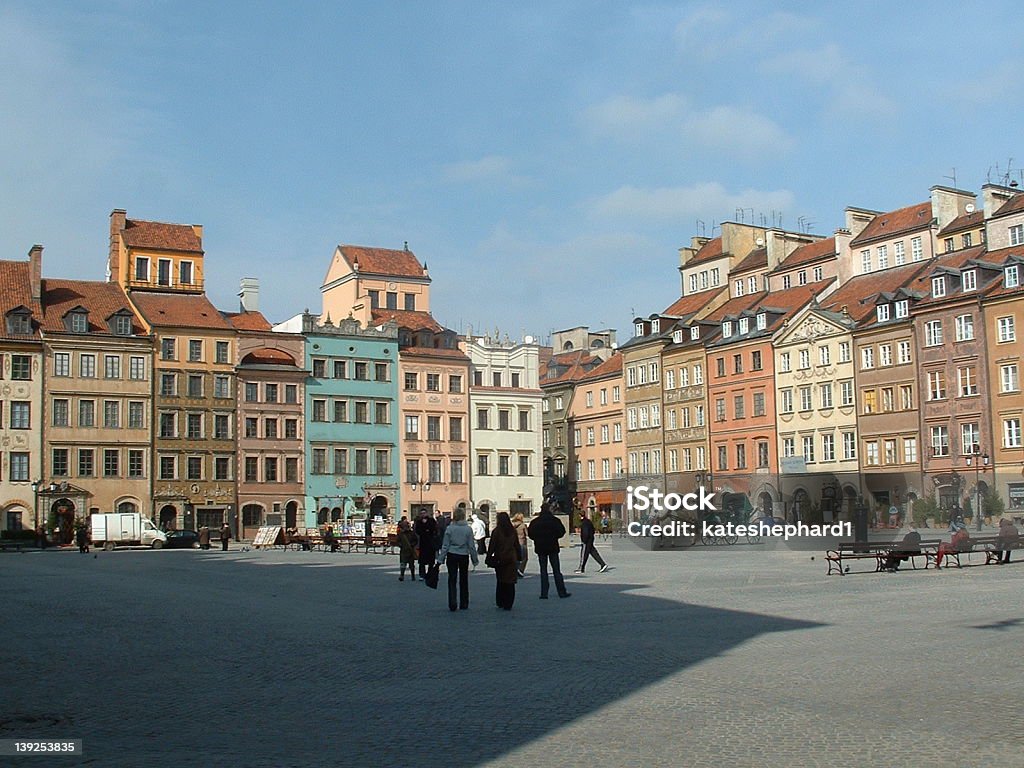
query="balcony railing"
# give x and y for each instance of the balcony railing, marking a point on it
(195, 286)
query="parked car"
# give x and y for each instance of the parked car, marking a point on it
(184, 539)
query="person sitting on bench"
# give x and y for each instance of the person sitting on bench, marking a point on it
(1008, 538)
(910, 545)
(961, 542)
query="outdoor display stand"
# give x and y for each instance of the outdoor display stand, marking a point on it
(268, 536)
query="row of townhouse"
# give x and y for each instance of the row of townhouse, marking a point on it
(797, 373)
(138, 395)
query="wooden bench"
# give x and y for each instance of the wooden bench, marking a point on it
(979, 545)
(877, 551)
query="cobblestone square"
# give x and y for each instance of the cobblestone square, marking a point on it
(711, 656)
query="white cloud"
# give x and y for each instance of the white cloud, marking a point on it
(624, 116)
(712, 32)
(491, 169)
(737, 130)
(709, 201)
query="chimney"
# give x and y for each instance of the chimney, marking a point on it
(35, 271)
(249, 294)
(949, 204)
(857, 219)
(118, 219)
(993, 196)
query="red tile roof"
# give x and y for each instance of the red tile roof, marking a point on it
(161, 236)
(805, 254)
(1014, 253)
(16, 291)
(712, 249)
(382, 261)
(885, 225)
(858, 293)
(1013, 205)
(455, 354)
(247, 321)
(100, 299)
(410, 320)
(688, 305)
(756, 258)
(610, 367)
(267, 356)
(736, 305)
(967, 221)
(576, 364)
(179, 310)
(922, 283)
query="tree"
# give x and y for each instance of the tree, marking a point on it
(992, 504)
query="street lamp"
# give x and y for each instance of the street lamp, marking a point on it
(423, 487)
(977, 459)
(35, 505)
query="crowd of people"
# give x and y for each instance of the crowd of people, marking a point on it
(428, 542)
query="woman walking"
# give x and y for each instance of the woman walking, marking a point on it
(407, 541)
(520, 526)
(503, 555)
(457, 547)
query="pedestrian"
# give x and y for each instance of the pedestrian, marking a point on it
(524, 552)
(909, 546)
(41, 536)
(503, 556)
(329, 539)
(225, 536)
(546, 530)
(443, 520)
(587, 548)
(606, 525)
(204, 537)
(82, 538)
(1007, 539)
(479, 534)
(426, 532)
(407, 541)
(456, 550)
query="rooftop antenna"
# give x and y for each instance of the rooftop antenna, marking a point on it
(702, 229)
(738, 213)
(952, 178)
(764, 220)
(713, 228)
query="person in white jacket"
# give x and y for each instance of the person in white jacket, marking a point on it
(457, 547)
(479, 533)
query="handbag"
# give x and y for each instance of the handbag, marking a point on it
(433, 572)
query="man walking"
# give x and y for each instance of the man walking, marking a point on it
(225, 536)
(546, 530)
(426, 532)
(587, 548)
(479, 534)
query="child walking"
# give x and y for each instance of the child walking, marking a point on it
(407, 541)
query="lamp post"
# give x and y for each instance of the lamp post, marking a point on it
(977, 459)
(423, 487)
(35, 505)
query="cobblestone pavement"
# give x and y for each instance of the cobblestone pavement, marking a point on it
(720, 656)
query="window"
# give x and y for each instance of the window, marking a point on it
(62, 364)
(787, 401)
(21, 367)
(755, 360)
(741, 456)
(784, 362)
(788, 447)
(185, 273)
(194, 468)
(967, 381)
(738, 407)
(252, 392)
(805, 359)
(883, 257)
(391, 299)
(916, 252)
(787, 282)
(340, 411)
(940, 441)
(844, 352)
(59, 462)
(936, 385)
(694, 333)
(221, 387)
(906, 397)
(559, 403)
(86, 462)
(291, 393)
(737, 288)
(86, 413)
(693, 287)
(719, 409)
(910, 450)
(195, 350)
(887, 399)
(291, 429)
(744, 325)
(222, 352)
(167, 349)
(194, 426)
(948, 242)
(111, 414)
(319, 410)
(482, 466)
(455, 429)
(251, 469)
(807, 448)
(362, 412)
(410, 302)
(871, 453)
(1011, 276)
(806, 402)
(19, 468)
(752, 284)
(270, 429)
(869, 401)
(867, 358)
(380, 413)
(865, 261)
(759, 409)
(970, 438)
(882, 312)
(1011, 433)
(21, 415)
(340, 461)
(137, 368)
(1005, 329)
(78, 322)
(903, 352)
(483, 419)
(970, 280)
(938, 287)
(221, 428)
(433, 382)
(801, 278)
(933, 333)
(762, 454)
(412, 427)
(319, 461)
(902, 308)
(885, 355)
(826, 395)
(142, 269)
(61, 413)
(849, 446)
(411, 382)
(111, 459)
(890, 451)
(900, 253)
(433, 428)
(827, 448)
(737, 363)
(270, 469)
(1008, 378)
(726, 329)
(723, 458)
(824, 356)
(617, 432)
(846, 393)
(252, 427)
(720, 367)
(698, 377)
(454, 384)
(195, 386)
(1017, 234)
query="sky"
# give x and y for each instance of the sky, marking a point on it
(546, 160)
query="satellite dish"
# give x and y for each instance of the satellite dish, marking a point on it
(528, 339)
(760, 241)
(969, 207)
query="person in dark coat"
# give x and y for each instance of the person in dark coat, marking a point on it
(407, 541)
(82, 538)
(426, 531)
(545, 530)
(204, 537)
(225, 536)
(587, 549)
(503, 557)
(1007, 539)
(909, 545)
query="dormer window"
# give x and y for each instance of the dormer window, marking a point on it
(638, 329)
(19, 323)
(655, 325)
(677, 336)
(726, 329)
(902, 308)
(762, 321)
(77, 321)
(121, 325)
(1011, 276)
(737, 288)
(938, 287)
(744, 325)
(695, 333)
(970, 280)
(882, 311)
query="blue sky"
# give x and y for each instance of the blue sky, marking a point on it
(545, 159)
